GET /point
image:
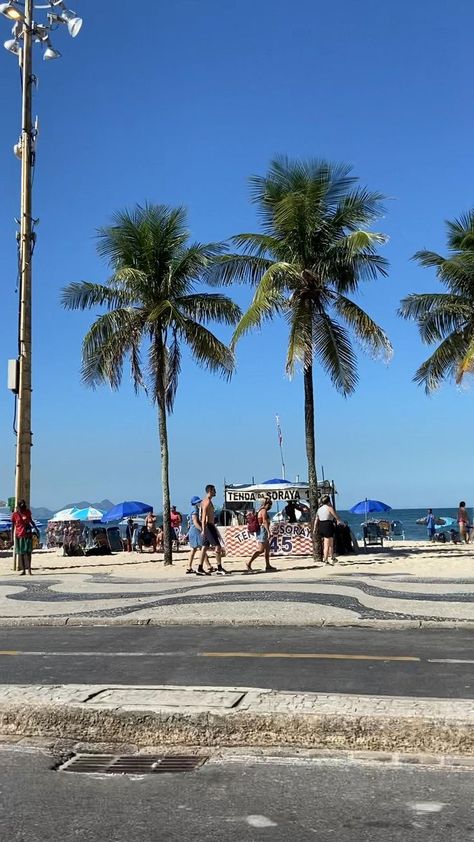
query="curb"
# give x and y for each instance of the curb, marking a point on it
(238, 717)
(242, 729)
(14, 622)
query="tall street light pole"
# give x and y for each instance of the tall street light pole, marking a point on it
(25, 33)
(24, 434)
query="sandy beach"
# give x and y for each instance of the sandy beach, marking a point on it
(415, 558)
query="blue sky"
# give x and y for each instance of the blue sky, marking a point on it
(180, 105)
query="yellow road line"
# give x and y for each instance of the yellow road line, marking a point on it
(309, 655)
(8, 652)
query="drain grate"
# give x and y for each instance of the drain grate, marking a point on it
(133, 764)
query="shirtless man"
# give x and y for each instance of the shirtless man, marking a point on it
(209, 533)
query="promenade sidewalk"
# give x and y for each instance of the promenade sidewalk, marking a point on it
(405, 584)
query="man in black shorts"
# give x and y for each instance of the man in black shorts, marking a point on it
(210, 535)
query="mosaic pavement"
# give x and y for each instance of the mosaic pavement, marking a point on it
(237, 598)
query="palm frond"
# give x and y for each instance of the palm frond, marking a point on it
(437, 314)
(300, 342)
(369, 334)
(358, 207)
(111, 338)
(269, 299)
(206, 307)
(173, 369)
(261, 245)
(333, 348)
(236, 269)
(461, 231)
(428, 258)
(359, 241)
(208, 351)
(83, 295)
(145, 238)
(444, 362)
(466, 363)
(189, 264)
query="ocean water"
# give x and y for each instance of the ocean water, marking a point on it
(413, 531)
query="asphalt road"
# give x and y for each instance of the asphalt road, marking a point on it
(241, 800)
(406, 663)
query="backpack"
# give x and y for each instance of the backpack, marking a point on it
(253, 523)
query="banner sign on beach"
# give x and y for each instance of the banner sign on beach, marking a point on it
(286, 539)
(252, 495)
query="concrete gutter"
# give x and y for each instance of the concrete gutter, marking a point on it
(236, 716)
(28, 622)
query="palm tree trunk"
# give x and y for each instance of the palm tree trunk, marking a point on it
(311, 451)
(164, 453)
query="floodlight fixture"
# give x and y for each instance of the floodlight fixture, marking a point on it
(73, 21)
(13, 46)
(50, 53)
(11, 10)
(67, 16)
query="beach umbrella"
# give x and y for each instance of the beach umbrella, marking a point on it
(446, 523)
(366, 506)
(126, 509)
(65, 514)
(86, 514)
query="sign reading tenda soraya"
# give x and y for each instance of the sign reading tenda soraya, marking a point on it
(242, 495)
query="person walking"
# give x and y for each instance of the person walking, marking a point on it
(194, 534)
(209, 534)
(263, 538)
(430, 525)
(463, 522)
(23, 527)
(325, 526)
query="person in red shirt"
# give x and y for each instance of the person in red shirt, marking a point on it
(23, 527)
(176, 521)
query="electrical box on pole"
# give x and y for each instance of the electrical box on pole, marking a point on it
(13, 376)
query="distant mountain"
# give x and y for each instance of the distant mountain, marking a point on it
(41, 513)
(104, 505)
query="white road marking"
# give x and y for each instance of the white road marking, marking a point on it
(336, 656)
(449, 661)
(260, 821)
(426, 806)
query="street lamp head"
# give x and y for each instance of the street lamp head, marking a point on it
(13, 46)
(11, 10)
(50, 53)
(74, 23)
(67, 16)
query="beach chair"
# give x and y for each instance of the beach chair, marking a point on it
(397, 531)
(373, 535)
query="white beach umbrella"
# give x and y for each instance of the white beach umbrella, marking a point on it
(65, 514)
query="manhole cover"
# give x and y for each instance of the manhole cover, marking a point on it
(133, 764)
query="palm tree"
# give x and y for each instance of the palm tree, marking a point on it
(151, 300)
(447, 317)
(313, 250)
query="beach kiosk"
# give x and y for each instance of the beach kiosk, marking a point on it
(286, 539)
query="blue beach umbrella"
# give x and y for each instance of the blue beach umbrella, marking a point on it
(126, 509)
(86, 514)
(366, 506)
